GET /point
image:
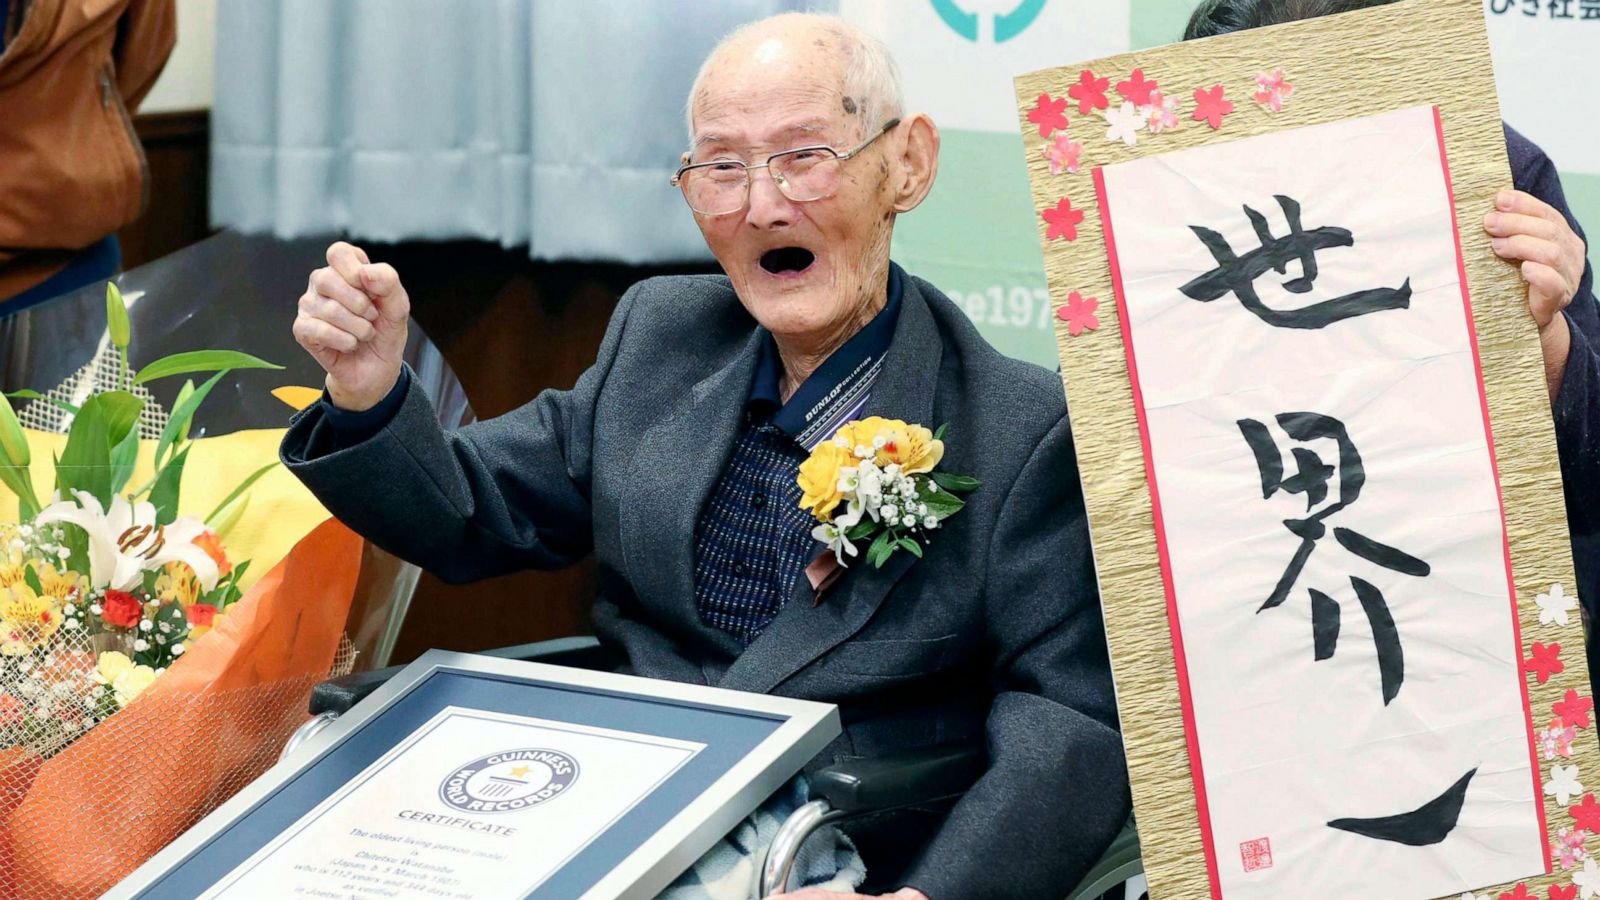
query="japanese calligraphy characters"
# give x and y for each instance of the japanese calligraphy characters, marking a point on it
(1237, 274)
(1324, 497)
(1312, 480)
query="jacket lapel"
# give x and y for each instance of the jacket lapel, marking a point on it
(803, 632)
(677, 463)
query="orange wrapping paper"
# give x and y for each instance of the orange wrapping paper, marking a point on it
(75, 825)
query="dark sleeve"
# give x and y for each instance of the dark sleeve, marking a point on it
(1577, 405)
(351, 427)
(496, 496)
(1056, 790)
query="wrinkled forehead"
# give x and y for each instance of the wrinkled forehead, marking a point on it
(768, 93)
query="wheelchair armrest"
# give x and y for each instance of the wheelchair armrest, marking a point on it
(904, 779)
(337, 695)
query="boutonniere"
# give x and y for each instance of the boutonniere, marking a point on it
(875, 480)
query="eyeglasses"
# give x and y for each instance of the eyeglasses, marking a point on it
(722, 186)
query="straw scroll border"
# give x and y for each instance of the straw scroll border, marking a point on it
(1413, 53)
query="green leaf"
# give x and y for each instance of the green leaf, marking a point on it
(183, 411)
(117, 317)
(86, 462)
(880, 549)
(13, 443)
(911, 546)
(31, 578)
(164, 493)
(14, 460)
(955, 482)
(35, 395)
(200, 361)
(123, 458)
(21, 483)
(943, 505)
(76, 540)
(860, 530)
(939, 434)
(243, 486)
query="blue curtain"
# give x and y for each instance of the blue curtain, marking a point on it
(549, 123)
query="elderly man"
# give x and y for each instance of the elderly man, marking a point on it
(675, 460)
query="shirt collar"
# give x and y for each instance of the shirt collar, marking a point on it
(840, 385)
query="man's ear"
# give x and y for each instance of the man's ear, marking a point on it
(918, 163)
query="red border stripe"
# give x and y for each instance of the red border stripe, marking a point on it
(1190, 732)
(1494, 466)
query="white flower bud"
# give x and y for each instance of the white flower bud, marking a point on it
(146, 625)
(909, 521)
(879, 441)
(930, 522)
(96, 609)
(889, 511)
(922, 509)
(177, 649)
(141, 645)
(69, 610)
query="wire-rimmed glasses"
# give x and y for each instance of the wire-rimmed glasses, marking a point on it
(722, 186)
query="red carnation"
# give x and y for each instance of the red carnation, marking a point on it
(201, 615)
(122, 609)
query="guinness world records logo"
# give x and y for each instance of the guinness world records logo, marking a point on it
(509, 781)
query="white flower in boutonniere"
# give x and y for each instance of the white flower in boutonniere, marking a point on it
(875, 480)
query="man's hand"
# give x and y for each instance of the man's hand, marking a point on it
(820, 894)
(353, 321)
(1532, 232)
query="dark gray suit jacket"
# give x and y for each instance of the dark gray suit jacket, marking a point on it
(995, 635)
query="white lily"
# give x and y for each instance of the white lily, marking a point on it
(127, 541)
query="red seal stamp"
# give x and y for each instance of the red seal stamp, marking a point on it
(1257, 854)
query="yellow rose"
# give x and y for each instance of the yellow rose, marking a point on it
(865, 432)
(819, 479)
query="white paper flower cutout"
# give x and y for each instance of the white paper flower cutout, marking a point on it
(1554, 606)
(1124, 124)
(1563, 783)
(1587, 880)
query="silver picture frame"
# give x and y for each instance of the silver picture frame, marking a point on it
(804, 728)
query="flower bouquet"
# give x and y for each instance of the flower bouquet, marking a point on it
(127, 632)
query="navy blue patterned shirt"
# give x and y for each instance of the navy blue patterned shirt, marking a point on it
(752, 539)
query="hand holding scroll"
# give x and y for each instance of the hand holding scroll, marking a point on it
(1527, 230)
(352, 319)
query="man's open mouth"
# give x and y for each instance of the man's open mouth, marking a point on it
(787, 260)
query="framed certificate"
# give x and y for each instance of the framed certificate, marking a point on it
(470, 777)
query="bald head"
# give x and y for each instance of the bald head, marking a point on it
(811, 52)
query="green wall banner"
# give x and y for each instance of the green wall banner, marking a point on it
(975, 236)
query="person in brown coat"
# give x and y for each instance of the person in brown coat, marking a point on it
(72, 170)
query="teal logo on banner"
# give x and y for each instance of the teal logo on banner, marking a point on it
(1007, 25)
(509, 781)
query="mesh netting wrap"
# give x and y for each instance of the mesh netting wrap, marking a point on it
(76, 818)
(103, 373)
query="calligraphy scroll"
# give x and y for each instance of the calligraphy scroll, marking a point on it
(1318, 460)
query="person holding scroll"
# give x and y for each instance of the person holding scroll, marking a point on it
(1531, 226)
(740, 439)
